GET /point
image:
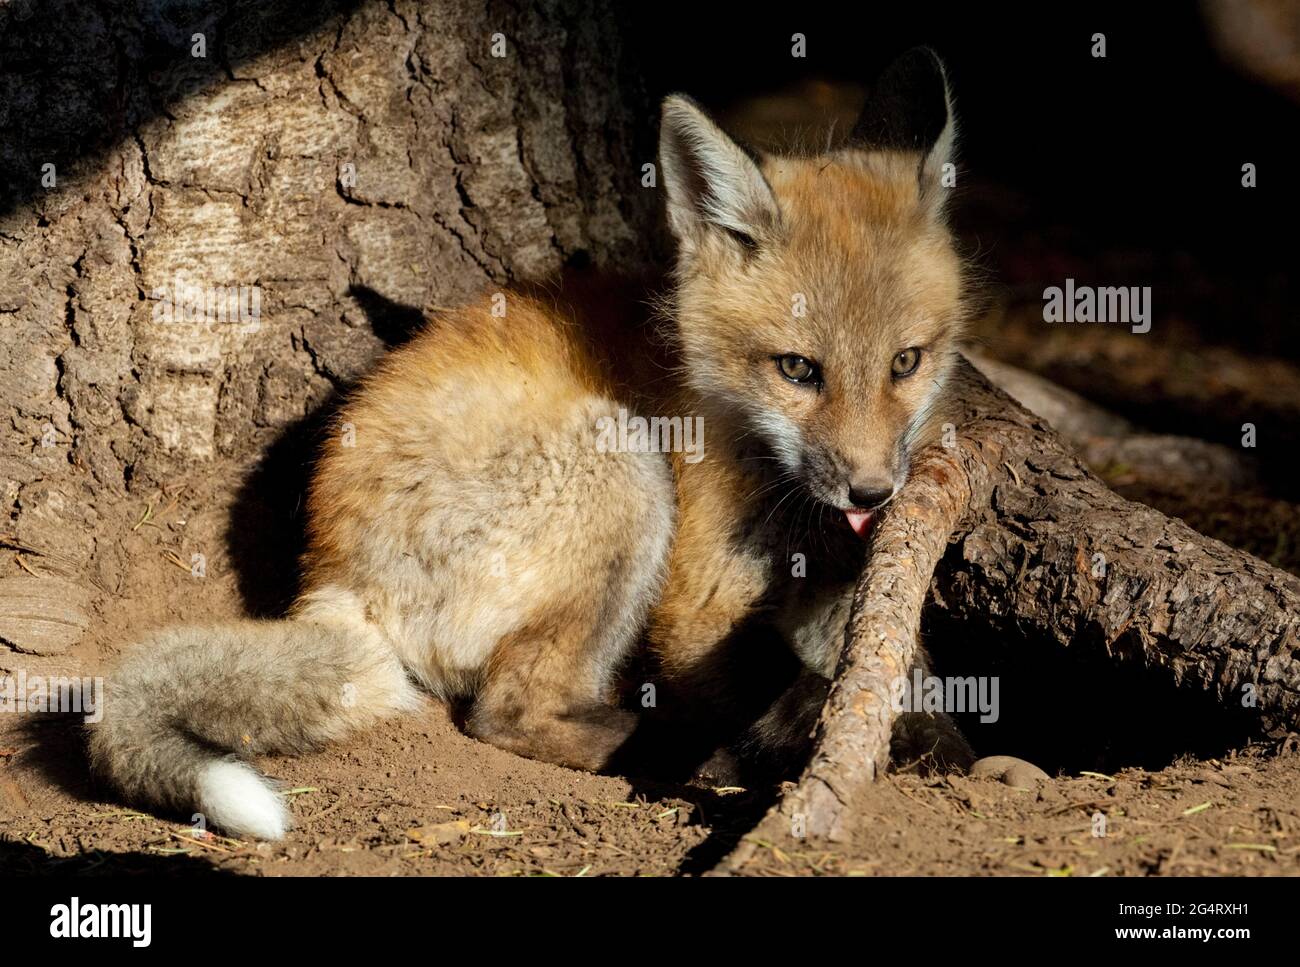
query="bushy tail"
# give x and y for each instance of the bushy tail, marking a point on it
(181, 707)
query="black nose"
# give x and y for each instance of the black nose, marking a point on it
(870, 494)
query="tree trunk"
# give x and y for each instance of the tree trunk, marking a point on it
(326, 173)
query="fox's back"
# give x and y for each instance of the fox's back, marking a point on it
(464, 476)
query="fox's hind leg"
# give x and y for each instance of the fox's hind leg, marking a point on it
(547, 689)
(581, 587)
(542, 697)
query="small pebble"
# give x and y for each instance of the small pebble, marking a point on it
(1016, 773)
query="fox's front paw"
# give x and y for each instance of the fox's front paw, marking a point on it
(929, 743)
(721, 769)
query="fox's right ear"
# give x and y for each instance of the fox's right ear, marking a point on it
(910, 109)
(713, 184)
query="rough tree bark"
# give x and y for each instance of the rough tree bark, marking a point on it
(1036, 546)
(134, 164)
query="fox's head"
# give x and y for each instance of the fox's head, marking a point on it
(819, 299)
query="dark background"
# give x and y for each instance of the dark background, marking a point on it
(1140, 150)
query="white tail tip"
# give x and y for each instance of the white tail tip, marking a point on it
(233, 796)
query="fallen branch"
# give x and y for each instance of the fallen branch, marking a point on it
(1019, 535)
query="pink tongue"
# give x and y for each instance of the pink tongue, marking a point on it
(859, 520)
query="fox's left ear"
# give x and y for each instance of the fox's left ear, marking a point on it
(910, 109)
(713, 184)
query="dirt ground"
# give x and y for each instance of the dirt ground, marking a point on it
(417, 797)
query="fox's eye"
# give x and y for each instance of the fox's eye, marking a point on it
(797, 369)
(905, 363)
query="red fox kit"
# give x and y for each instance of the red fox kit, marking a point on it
(490, 538)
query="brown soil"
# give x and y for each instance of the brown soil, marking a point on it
(418, 797)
